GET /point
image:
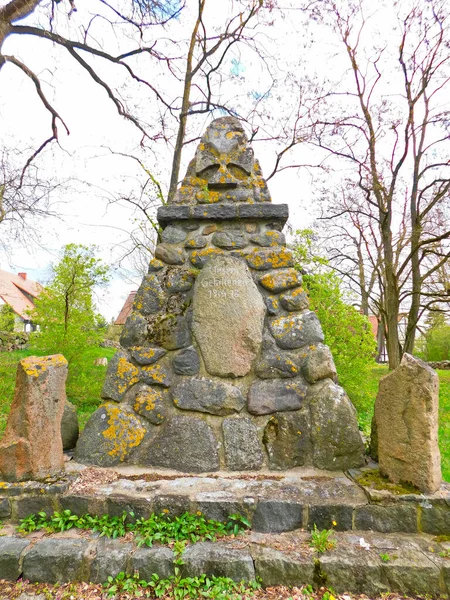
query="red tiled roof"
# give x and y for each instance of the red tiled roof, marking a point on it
(126, 309)
(14, 290)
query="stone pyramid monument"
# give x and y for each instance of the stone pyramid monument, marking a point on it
(222, 364)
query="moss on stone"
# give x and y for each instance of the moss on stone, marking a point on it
(375, 480)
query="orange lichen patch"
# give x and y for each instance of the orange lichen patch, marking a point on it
(279, 281)
(124, 431)
(198, 256)
(266, 259)
(156, 373)
(35, 365)
(127, 375)
(146, 401)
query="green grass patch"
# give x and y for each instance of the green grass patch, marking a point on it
(84, 382)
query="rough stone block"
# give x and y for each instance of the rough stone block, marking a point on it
(69, 426)
(280, 280)
(171, 332)
(147, 355)
(412, 573)
(229, 240)
(151, 403)
(120, 376)
(178, 280)
(387, 519)
(166, 214)
(269, 238)
(319, 364)
(218, 505)
(275, 568)
(269, 396)
(31, 447)
(112, 557)
(170, 255)
(150, 297)
(205, 395)
(147, 561)
(287, 438)
(435, 520)
(296, 331)
(328, 516)
(264, 211)
(218, 559)
(186, 362)
(242, 447)
(31, 505)
(294, 300)
(406, 414)
(134, 331)
(11, 549)
(274, 517)
(173, 235)
(5, 508)
(55, 561)
(157, 374)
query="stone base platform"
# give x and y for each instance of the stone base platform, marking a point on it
(273, 502)
(361, 562)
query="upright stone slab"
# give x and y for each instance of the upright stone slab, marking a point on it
(32, 445)
(406, 415)
(222, 363)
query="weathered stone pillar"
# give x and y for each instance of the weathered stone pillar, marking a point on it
(406, 416)
(32, 446)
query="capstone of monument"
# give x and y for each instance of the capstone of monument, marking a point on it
(31, 447)
(406, 417)
(222, 364)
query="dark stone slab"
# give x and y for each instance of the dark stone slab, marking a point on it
(55, 560)
(177, 446)
(205, 395)
(387, 519)
(229, 240)
(112, 557)
(218, 212)
(186, 362)
(411, 573)
(264, 211)
(171, 332)
(296, 331)
(134, 332)
(11, 549)
(118, 504)
(218, 505)
(242, 447)
(150, 297)
(120, 376)
(178, 280)
(5, 508)
(147, 355)
(435, 519)
(166, 214)
(273, 567)
(173, 235)
(147, 561)
(31, 505)
(287, 440)
(272, 516)
(219, 560)
(269, 396)
(328, 516)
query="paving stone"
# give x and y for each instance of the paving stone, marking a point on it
(179, 280)
(177, 446)
(269, 238)
(10, 550)
(242, 447)
(412, 573)
(205, 395)
(55, 560)
(272, 516)
(280, 280)
(31, 505)
(296, 331)
(328, 516)
(173, 235)
(134, 332)
(287, 440)
(229, 240)
(294, 300)
(152, 403)
(270, 258)
(147, 355)
(111, 558)
(435, 520)
(387, 519)
(148, 561)
(353, 569)
(273, 567)
(195, 243)
(219, 560)
(150, 297)
(269, 396)
(170, 255)
(186, 362)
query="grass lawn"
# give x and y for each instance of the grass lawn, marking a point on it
(84, 382)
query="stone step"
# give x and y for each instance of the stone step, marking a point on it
(300, 498)
(360, 563)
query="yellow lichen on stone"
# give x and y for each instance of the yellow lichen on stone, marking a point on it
(124, 432)
(128, 373)
(35, 365)
(156, 373)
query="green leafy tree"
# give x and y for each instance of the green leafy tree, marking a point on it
(7, 319)
(65, 310)
(434, 345)
(347, 332)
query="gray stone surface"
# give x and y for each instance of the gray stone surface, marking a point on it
(411, 572)
(269, 396)
(272, 516)
(387, 519)
(229, 240)
(269, 238)
(264, 259)
(178, 280)
(406, 414)
(120, 376)
(228, 317)
(31, 505)
(337, 442)
(273, 566)
(150, 297)
(147, 355)
(218, 559)
(264, 211)
(69, 426)
(170, 254)
(111, 434)
(171, 332)
(55, 560)
(196, 242)
(208, 396)
(297, 331)
(5, 508)
(272, 305)
(435, 519)
(158, 559)
(275, 363)
(111, 558)
(287, 440)
(319, 364)
(152, 403)
(166, 214)
(242, 447)
(11, 549)
(294, 300)
(215, 212)
(134, 331)
(177, 446)
(155, 265)
(156, 374)
(280, 280)
(328, 516)
(173, 235)
(186, 362)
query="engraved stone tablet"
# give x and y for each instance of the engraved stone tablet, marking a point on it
(228, 317)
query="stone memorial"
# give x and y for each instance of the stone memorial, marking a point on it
(222, 365)
(32, 446)
(406, 418)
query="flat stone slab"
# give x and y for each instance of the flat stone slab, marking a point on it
(360, 562)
